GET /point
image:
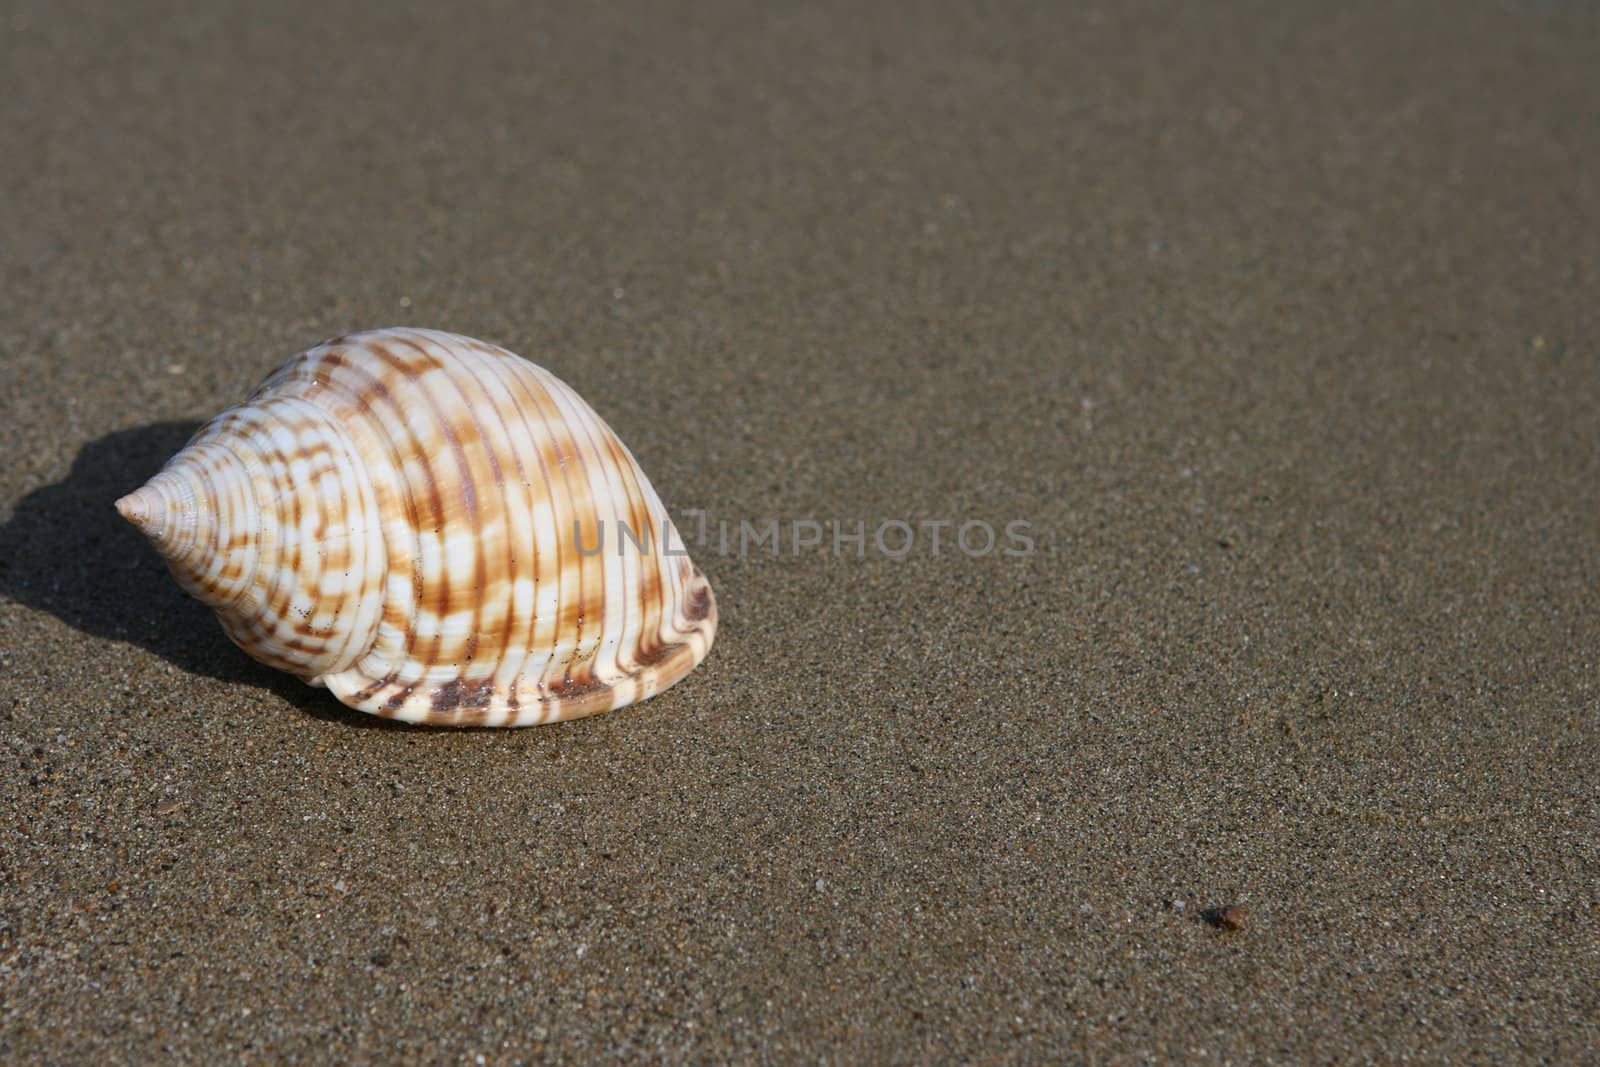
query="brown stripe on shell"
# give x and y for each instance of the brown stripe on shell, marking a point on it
(361, 407)
(465, 437)
(490, 421)
(409, 497)
(648, 588)
(542, 415)
(431, 596)
(523, 496)
(602, 480)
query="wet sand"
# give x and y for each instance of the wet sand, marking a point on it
(1276, 325)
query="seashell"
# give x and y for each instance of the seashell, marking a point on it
(437, 531)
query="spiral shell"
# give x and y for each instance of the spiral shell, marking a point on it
(437, 531)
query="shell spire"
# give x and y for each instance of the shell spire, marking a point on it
(160, 519)
(436, 530)
(188, 522)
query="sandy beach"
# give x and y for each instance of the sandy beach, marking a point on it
(1273, 326)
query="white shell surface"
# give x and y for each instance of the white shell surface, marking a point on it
(435, 529)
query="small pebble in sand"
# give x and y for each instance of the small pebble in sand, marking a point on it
(1228, 917)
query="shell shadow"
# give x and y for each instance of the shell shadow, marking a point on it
(66, 551)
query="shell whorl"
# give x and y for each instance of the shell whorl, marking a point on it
(411, 518)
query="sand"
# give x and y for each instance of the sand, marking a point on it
(1275, 323)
